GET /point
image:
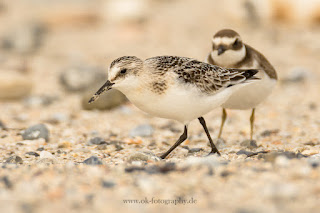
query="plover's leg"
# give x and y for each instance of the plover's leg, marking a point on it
(252, 123)
(204, 125)
(182, 138)
(223, 119)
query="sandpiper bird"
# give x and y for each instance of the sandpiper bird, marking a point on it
(178, 88)
(229, 51)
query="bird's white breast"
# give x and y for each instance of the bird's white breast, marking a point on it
(179, 102)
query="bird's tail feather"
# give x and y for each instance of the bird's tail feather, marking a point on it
(243, 76)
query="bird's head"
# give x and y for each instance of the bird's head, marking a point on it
(227, 47)
(122, 75)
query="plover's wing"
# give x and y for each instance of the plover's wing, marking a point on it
(263, 62)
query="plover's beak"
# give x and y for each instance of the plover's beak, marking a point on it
(221, 49)
(107, 86)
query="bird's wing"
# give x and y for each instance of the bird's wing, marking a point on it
(208, 78)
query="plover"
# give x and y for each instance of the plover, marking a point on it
(229, 51)
(172, 87)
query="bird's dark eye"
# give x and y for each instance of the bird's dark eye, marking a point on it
(236, 43)
(123, 71)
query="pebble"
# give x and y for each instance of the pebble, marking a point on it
(32, 153)
(271, 156)
(281, 191)
(268, 133)
(144, 130)
(109, 100)
(46, 161)
(117, 146)
(107, 184)
(131, 169)
(143, 156)
(25, 39)
(225, 173)
(21, 117)
(39, 101)
(93, 160)
(14, 85)
(79, 78)
(249, 153)
(309, 143)
(194, 150)
(46, 158)
(125, 110)
(220, 143)
(313, 106)
(297, 75)
(96, 141)
(15, 159)
(282, 161)
(2, 125)
(310, 152)
(171, 126)
(250, 144)
(153, 169)
(102, 147)
(57, 118)
(244, 152)
(243, 210)
(35, 132)
(7, 182)
(314, 160)
(210, 160)
(27, 207)
(65, 144)
(163, 169)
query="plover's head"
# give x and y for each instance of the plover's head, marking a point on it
(227, 47)
(122, 74)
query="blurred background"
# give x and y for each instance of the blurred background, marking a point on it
(49, 43)
(54, 55)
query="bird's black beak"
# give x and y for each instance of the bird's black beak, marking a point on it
(221, 49)
(107, 86)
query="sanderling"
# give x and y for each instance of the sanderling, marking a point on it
(229, 51)
(178, 88)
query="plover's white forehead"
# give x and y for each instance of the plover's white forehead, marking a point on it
(224, 40)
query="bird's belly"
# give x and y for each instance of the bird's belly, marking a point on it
(250, 95)
(180, 104)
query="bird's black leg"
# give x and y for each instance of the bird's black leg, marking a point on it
(213, 147)
(182, 138)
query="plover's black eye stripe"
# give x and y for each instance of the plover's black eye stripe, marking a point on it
(236, 42)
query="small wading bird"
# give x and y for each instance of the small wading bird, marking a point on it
(229, 51)
(178, 88)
